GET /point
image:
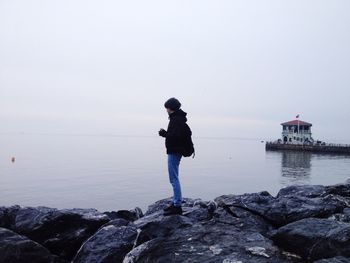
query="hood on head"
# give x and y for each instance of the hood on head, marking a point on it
(178, 114)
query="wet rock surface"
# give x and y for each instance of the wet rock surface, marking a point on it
(285, 208)
(304, 223)
(19, 249)
(333, 260)
(110, 244)
(315, 238)
(130, 215)
(60, 231)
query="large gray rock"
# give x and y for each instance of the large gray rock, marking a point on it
(310, 191)
(315, 238)
(333, 260)
(285, 208)
(61, 231)
(130, 215)
(108, 245)
(8, 216)
(156, 225)
(341, 190)
(242, 219)
(204, 233)
(15, 248)
(207, 242)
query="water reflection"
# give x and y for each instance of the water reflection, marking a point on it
(296, 167)
(293, 167)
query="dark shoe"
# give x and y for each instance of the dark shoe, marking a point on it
(174, 210)
(169, 207)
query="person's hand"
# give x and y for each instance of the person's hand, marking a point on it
(162, 132)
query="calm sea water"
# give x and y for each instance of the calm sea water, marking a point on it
(111, 172)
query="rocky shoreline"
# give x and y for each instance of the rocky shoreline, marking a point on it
(307, 223)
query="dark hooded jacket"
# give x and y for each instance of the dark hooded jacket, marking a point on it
(176, 132)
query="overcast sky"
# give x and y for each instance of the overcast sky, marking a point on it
(240, 68)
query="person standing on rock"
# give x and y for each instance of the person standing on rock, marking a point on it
(178, 143)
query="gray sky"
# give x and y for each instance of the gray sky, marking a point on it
(240, 68)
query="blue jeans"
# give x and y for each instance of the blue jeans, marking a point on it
(173, 169)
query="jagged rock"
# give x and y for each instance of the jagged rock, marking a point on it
(207, 242)
(61, 231)
(315, 190)
(242, 219)
(156, 225)
(110, 244)
(256, 203)
(285, 208)
(333, 260)
(198, 213)
(15, 248)
(303, 190)
(130, 215)
(315, 238)
(204, 233)
(8, 216)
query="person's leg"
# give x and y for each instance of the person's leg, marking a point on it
(173, 169)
